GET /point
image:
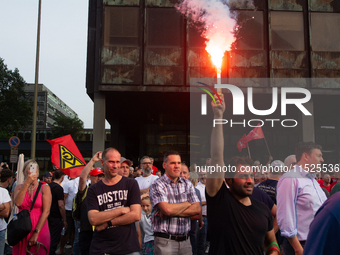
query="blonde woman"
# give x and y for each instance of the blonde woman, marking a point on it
(23, 198)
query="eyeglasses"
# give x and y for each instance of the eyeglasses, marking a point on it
(146, 163)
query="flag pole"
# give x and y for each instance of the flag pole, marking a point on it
(267, 145)
(249, 152)
(34, 120)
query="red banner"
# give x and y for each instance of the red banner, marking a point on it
(66, 156)
(256, 133)
(242, 143)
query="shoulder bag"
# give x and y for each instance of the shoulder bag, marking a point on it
(20, 226)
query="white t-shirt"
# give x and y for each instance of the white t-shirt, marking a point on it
(201, 188)
(65, 180)
(4, 198)
(145, 182)
(70, 188)
(146, 226)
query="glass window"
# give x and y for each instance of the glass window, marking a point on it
(287, 5)
(325, 31)
(195, 38)
(164, 27)
(249, 31)
(287, 31)
(121, 26)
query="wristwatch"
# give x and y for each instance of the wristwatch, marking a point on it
(109, 224)
(36, 230)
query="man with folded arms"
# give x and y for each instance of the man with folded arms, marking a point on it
(174, 201)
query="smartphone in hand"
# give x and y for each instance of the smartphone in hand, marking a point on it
(33, 168)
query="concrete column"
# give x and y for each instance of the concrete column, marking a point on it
(308, 134)
(99, 113)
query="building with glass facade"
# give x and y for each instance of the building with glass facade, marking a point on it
(143, 55)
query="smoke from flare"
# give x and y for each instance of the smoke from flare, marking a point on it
(218, 25)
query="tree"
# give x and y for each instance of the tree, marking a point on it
(15, 105)
(65, 125)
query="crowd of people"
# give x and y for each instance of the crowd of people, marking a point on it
(118, 209)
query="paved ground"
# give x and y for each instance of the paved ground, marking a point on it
(68, 251)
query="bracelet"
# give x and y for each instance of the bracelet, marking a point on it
(273, 243)
(273, 248)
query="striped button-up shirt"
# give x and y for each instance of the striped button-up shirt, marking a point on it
(299, 196)
(165, 190)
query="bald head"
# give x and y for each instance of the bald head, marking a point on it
(290, 161)
(110, 149)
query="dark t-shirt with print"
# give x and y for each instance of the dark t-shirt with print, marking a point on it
(57, 194)
(269, 186)
(117, 239)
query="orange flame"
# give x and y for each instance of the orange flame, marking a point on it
(219, 40)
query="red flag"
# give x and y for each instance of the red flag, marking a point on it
(256, 133)
(66, 156)
(242, 143)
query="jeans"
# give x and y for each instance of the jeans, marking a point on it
(2, 241)
(288, 249)
(76, 249)
(201, 237)
(193, 236)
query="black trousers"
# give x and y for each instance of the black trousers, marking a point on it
(85, 238)
(55, 225)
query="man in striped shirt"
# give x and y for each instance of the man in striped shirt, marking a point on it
(174, 201)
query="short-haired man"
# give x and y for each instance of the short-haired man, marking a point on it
(47, 177)
(299, 196)
(237, 223)
(114, 205)
(174, 201)
(5, 204)
(145, 181)
(325, 182)
(125, 165)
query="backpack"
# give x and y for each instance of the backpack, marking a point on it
(77, 202)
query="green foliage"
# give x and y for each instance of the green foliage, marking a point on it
(64, 125)
(15, 106)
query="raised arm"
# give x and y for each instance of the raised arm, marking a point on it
(86, 170)
(20, 191)
(215, 179)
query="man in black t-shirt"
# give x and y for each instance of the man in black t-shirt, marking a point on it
(114, 205)
(57, 217)
(237, 224)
